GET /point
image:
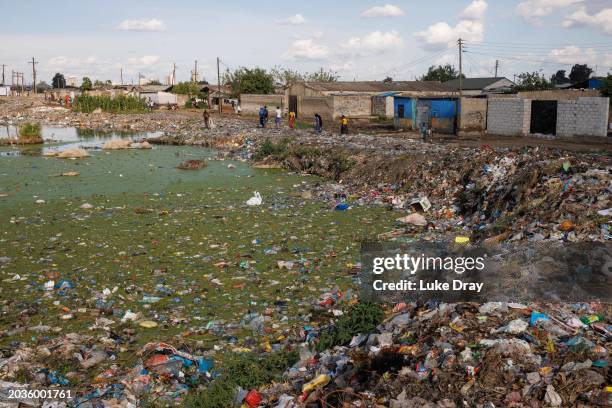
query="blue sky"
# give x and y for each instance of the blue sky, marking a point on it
(360, 39)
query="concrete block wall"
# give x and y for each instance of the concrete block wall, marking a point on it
(353, 106)
(309, 105)
(250, 103)
(473, 115)
(509, 117)
(583, 117)
(382, 106)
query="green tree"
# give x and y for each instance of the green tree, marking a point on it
(559, 78)
(86, 85)
(442, 73)
(323, 76)
(532, 81)
(607, 88)
(58, 81)
(580, 73)
(155, 82)
(287, 76)
(249, 81)
(186, 88)
(388, 79)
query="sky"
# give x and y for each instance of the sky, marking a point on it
(358, 39)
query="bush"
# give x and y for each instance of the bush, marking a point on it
(360, 319)
(269, 148)
(119, 104)
(242, 370)
(30, 133)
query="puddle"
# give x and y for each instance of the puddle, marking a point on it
(183, 236)
(62, 138)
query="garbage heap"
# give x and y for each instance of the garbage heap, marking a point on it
(456, 355)
(498, 195)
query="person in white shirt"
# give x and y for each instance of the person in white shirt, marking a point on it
(278, 118)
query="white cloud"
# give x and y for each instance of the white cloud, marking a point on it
(142, 25)
(475, 11)
(374, 43)
(442, 35)
(306, 50)
(144, 60)
(532, 10)
(469, 28)
(572, 54)
(388, 10)
(601, 20)
(297, 19)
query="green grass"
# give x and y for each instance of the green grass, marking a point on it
(119, 104)
(302, 124)
(247, 371)
(269, 148)
(360, 319)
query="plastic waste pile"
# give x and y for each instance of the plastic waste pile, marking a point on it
(455, 355)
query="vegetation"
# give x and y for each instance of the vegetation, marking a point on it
(242, 370)
(441, 73)
(249, 81)
(155, 82)
(287, 76)
(560, 78)
(269, 148)
(360, 319)
(30, 133)
(580, 73)
(118, 104)
(607, 88)
(100, 84)
(86, 85)
(58, 81)
(186, 88)
(532, 81)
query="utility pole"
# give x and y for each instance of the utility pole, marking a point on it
(195, 72)
(3, 74)
(34, 62)
(218, 86)
(460, 42)
(496, 67)
(173, 73)
(121, 74)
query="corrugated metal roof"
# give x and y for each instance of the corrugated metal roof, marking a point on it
(472, 84)
(377, 86)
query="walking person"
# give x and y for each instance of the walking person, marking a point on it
(291, 120)
(344, 125)
(318, 123)
(266, 115)
(206, 116)
(261, 117)
(279, 116)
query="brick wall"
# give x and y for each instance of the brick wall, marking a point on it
(583, 117)
(510, 117)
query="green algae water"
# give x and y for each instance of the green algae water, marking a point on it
(177, 247)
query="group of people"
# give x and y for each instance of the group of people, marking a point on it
(264, 115)
(318, 120)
